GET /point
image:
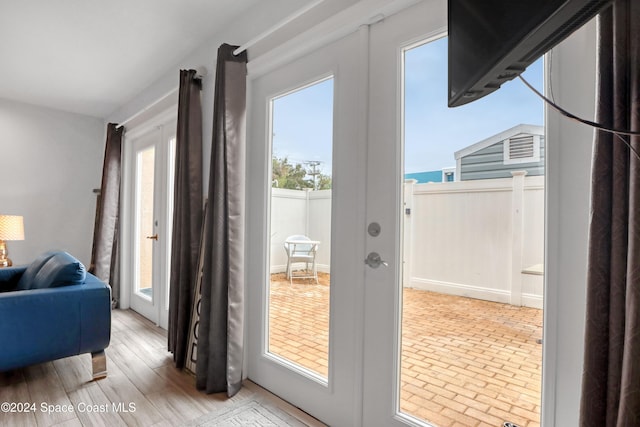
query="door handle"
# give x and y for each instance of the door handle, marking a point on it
(374, 260)
(154, 237)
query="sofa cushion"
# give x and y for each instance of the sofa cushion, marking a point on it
(30, 273)
(61, 269)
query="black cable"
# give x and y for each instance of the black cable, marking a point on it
(579, 119)
(616, 132)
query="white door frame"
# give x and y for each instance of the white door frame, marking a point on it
(337, 400)
(163, 126)
(562, 357)
(383, 314)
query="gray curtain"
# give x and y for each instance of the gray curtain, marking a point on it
(187, 214)
(104, 259)
(220, 337)
(611, 376)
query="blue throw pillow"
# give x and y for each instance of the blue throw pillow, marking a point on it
(61, 269)
(33, 269)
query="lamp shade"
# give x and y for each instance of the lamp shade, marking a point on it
(11, 227)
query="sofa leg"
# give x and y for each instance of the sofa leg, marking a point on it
(99, 364)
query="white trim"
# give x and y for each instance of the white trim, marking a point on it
(337, 404)
(477, 292)
(276, 27)
(462, 290)
(365, 12)
(517, 235)
(569, 154)
(150, 109)
(287, 193)
(282, 268)
(533, 301)
(161, 119)
(449, 171)
(164, 125)
(475, 186)
(296, 368)
(478, 185)
(504, 135)
(536, 182)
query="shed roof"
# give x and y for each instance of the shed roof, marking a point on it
(516, 130)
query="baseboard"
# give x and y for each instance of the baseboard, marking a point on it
(322, 268)
(461, 290)
(533, 301)
(478, 292)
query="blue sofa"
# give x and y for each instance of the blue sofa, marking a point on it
(52, 309)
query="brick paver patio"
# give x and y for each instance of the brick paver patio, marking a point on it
(465, 362)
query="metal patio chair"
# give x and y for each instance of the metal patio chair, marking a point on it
(301, 249)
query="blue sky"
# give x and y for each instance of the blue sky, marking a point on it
(433, 131)
(303, 125)
(302, 120)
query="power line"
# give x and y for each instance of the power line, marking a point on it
(314, 171)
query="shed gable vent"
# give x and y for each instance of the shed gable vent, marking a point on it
(522, 149)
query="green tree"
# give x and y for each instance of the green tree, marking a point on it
(286, 175)
(295, 177)
(324, 182)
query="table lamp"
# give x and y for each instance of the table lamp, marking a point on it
(11, 228)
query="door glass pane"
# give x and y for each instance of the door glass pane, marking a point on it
(145, 174)
(170, 198)
(300, 234)
(473, 249)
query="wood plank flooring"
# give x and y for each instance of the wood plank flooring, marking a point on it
(142, 387)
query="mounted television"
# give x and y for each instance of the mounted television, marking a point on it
(493, 41)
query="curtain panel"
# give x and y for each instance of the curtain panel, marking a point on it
(104, 253)
(220, 335)
(187, 214)
(611, 375)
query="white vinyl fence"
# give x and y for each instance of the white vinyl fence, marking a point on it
(300, 212)
(482, 239)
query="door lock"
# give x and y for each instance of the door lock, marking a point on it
(374, 260)
(154, 237)
(374, 229)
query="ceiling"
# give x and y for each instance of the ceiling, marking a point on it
(92, 56)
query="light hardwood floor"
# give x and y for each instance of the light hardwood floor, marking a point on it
(142, 387)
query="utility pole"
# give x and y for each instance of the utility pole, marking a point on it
(313, 164)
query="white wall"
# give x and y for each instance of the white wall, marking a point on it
(260, 18)
(569, 147)
(50, 162)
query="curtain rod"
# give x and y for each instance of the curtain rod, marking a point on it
(156, 102)
(200, 73)
(276, 27)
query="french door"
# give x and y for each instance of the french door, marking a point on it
(353, 377)
(383, 299)
(306, 159)
(355, 380)
(150, 160)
